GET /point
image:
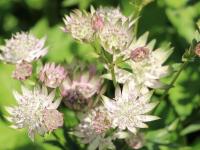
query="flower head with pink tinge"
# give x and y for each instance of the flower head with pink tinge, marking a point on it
(93, 127)
(52, 75)
(77, 92)
(22, 47)
(35, 111)
(22, 71)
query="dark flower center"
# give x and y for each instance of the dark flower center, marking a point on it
(139, 54)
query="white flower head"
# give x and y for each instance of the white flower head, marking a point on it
(36, 111)
(129, 110)
(110, 14)
(92, 132)
(79, 25)
(22, 47)
(115, 37)
(146, 63)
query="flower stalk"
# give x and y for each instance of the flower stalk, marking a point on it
(171, 85)
(113, 75)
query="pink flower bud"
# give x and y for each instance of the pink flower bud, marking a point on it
(53, 119)
(22, 71)
(101, 123)
(52, 75)
(97, 22)
(139, 54)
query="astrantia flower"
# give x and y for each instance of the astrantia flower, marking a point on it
(110, 14)
(78, 91)
(52, 119)
(52, 75)
(78, 24)
(92, 132)
(116, 36)
(146, 63)
(22, 71)
(106, 14)
(22, 47)
(35, 111)
(128, 111)
(100, 120)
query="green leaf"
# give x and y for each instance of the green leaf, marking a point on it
(190, 129)
(55, 143)
(68, 3)
(9, 134)
(185, 94)
(36, 4)
(175, 3)
(84, 4)
(161, 136)
(183, 19)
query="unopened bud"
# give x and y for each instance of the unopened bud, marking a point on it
(97, 22)
(101, 122)
(22, 71)
(53, 119)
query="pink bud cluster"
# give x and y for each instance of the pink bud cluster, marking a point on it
(52, 75)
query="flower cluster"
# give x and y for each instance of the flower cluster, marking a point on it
(36, 110)
(130, 107)
(128, 110)
(52, 75)
(146, 63)
(108, 24)
(22, 47)
(93, 127)
(78, 90)
(22, 71)
(79, 25)
(132, 63)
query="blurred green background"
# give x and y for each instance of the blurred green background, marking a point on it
(167, 20)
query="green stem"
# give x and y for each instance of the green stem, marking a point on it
(56, 136)
(174, 79)
(136, 25)
(100, 53)
(110, 65)
(59, 141)
(113, 75)
(138, 9)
